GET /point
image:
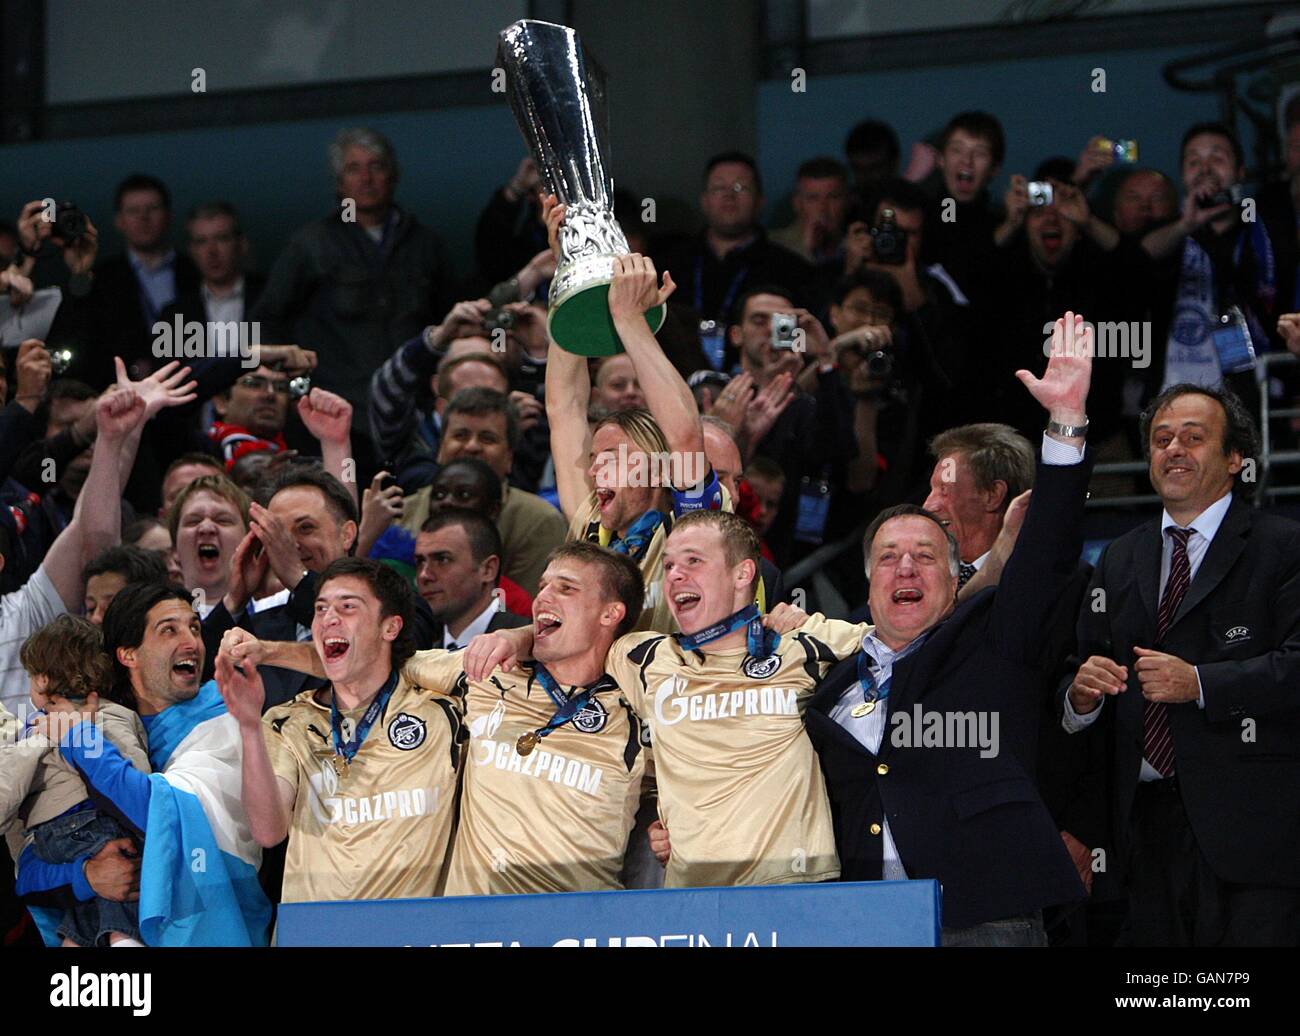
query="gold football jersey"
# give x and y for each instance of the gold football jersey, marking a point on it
(740, 788)
(556, 819)
(382, 829)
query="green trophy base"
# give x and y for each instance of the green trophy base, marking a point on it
(581, 324)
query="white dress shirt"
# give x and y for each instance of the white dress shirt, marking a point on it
(479, 625)
(1204, 527)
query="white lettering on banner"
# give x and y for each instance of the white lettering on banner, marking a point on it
(690, 939)
(91, 989)
(541, 764)
(750, 701)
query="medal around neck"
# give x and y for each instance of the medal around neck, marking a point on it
(558, 99)
(527, 742)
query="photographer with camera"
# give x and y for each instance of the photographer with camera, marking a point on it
(1222, 275)
(1058, 257)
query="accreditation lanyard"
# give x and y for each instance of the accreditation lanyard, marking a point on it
(565, 707)
(345, 748)
(760, 641)
(729, 299)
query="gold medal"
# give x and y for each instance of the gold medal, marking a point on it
(865, 709)
(527, 742)
(340, 764)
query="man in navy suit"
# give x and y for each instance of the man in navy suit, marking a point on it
(1190, 633)
(928, 735)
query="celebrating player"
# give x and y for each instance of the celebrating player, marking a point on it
(361, 774)
(739, 783)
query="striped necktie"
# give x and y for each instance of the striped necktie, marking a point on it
(965, 572)
(1157, 742)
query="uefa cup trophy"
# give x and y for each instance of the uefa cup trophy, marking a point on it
(559, 104)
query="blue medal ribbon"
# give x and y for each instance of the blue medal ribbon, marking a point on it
(348, 748)
(760, 641)
(639, 535)
(871, 692)
(567, 707)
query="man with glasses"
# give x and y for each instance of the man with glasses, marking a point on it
(734, 253)
(251, 414)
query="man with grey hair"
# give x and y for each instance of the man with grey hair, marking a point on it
(979, 469)
(359, 282)
(928, 735)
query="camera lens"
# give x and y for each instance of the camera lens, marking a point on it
(299, 386)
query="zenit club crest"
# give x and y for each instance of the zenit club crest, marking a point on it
(407, 732)
(592, 717)
(761, 668)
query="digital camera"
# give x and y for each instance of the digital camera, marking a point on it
(888, 243)
(1040, 192)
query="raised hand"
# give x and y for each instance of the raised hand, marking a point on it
(240, 646)
(464, 319)
(241, 689)
(553, 216)
(280, 547)
(1063, 389)
(767, 406)
(165, 387)
(327, 416)
(290, 358)
(732, 402)
(380, 507)
(18, 287)
(1288, 326)
(247, 570)
(118, 412)
(79, 255)
(635, 287)
(32, 371)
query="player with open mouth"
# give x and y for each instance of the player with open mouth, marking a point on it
(739, 784)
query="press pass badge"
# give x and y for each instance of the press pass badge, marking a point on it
(1232, 342)
(814, 506)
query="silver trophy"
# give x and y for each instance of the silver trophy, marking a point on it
(559, 103)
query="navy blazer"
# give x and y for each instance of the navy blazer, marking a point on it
(1238, 759)
(978, 825)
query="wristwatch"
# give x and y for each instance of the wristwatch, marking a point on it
(1068, 431)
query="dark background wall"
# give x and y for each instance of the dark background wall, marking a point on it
(686, 78)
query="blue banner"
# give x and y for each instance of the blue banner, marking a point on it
(876, 913)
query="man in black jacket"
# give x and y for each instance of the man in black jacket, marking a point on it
(949, 793)
(356, 284)
(1192, 626)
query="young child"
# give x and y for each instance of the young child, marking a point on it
(66, 665)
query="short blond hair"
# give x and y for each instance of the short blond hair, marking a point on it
(739, 541)
(639, 426)
(217, 485)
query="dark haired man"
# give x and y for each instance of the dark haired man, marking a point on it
(820, 201)
(1198, 645)
(733, 252)
(458, 561)
(1218, 295)
(361, 774)
(132, 289)
(553, 764)
(872, 150)
(183, 810)
(113, 569)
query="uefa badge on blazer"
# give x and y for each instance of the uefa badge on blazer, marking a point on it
(1237, 635)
